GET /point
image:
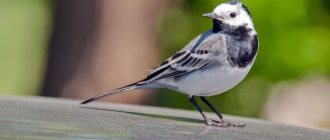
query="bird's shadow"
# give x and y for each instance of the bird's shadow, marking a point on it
(168, 117)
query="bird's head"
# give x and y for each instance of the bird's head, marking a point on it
(231, 15)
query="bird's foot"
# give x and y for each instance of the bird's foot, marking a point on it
(223, 123)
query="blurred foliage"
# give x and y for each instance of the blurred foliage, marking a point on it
(294, 42)
(24, 33)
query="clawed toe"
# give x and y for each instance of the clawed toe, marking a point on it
(223, 123)
(211, 122)
(239, 125)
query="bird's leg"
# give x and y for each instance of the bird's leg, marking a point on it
(207, 120)
(223, 122)
(211, 106)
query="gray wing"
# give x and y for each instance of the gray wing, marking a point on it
(207, 40)
(198, 54)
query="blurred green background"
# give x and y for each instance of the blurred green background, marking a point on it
(294, 44)
(24, 31)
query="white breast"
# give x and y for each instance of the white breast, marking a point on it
(210, 82)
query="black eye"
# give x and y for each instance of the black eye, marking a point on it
(233, 15)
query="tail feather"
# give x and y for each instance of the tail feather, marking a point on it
(113, 92)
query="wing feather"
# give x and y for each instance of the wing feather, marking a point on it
(178, 65)
(199, 53)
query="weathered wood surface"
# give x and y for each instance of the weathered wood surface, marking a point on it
(35, 118)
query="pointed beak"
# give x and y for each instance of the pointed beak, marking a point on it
(211, 15)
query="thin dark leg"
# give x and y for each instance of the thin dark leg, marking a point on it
(207, 120)
(193, 101)
(211, 106)
(223, 122)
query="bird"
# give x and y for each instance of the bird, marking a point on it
(212, 63)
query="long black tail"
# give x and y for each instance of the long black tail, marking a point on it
(113, 92)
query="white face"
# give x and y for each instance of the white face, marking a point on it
(233, 15)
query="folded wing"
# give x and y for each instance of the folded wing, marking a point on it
(181, 63)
